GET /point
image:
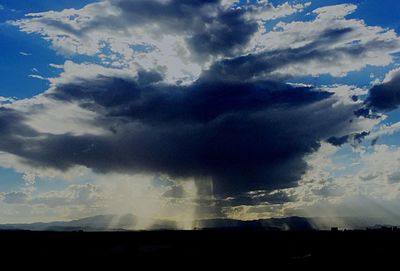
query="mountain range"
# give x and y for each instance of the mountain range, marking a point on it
(128, 222)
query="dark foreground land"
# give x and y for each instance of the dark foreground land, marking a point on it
(204, 248)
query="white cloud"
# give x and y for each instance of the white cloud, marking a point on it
(56, 66)
(6, 100)
(385, 129)
(74, 72)
(266, 11)
(346, 92)
(51, 116)
(391, 74)
(92, 31)
(38, 77)
(338, 11)
(331, 44)
(11, 161)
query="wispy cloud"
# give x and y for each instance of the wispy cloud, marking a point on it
(25, 54)
(36, 76)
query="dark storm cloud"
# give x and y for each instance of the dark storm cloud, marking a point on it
(386, 96)
(233, 125)
(355, 139)
(244, 136)
(382, 98)
(338, 141)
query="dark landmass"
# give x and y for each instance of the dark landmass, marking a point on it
(105, 240)
(128, 222)
(220, 242)
(202, 248)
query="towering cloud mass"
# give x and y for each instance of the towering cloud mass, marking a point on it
(198, 89)
(245, 136)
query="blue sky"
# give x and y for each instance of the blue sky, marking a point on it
(29, 46)
(16, 67)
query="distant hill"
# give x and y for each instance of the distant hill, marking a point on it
(127, 222)
(94, 223)
(286, 223)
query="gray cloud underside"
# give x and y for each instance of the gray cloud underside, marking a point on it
(245, 136)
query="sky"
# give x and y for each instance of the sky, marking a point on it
(186, 110)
